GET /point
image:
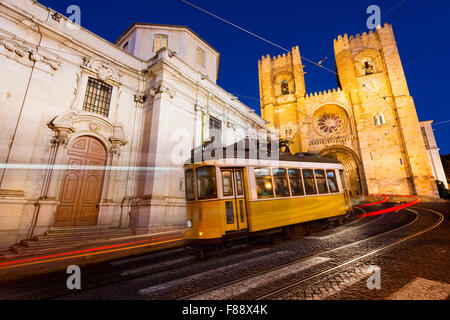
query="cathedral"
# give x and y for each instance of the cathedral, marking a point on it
(368, 122)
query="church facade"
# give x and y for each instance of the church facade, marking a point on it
(369, 122)
(95, 134)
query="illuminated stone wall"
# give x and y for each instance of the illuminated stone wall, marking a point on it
(370, 119)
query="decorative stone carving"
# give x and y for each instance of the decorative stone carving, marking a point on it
(23, 51)
(114, 149)
(102, 68)
(161, 87)
(60, 134)
(332, 140)
(330, 120)
(93, 127)
(139, 98)
(81, 121)
(200, 108)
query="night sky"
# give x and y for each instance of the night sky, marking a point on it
(420, 28)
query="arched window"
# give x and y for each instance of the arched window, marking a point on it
(382, 119)
(284, 87)
(367, 66)
(376, 120)
(379, 119)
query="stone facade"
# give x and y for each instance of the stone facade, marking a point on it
(369, 122)
(159, 106)
(433, 152)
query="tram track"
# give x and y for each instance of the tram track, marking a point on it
(148, 270)
(239, 255)
(219, 291)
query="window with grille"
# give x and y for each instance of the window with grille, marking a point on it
(98, 97)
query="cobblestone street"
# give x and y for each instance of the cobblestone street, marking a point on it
(406, 247)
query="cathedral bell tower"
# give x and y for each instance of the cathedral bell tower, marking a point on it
(390, 142)
(282, 97)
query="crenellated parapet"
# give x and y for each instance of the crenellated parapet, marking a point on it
(273, 71)
(330, 93)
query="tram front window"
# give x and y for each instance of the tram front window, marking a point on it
(264, 184)
(189, 185)
(332, 181)
(281, 183)
(206, 183)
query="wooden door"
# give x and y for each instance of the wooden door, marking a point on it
(82, 184)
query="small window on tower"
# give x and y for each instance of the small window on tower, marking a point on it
(160, 41)
(367, 66)
(284, 87)
(379, 119)
(201, 57)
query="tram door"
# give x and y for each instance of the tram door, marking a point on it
(234, 195)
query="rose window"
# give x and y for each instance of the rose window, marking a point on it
(330, 123)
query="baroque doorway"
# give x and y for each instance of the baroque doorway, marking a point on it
(82, 183)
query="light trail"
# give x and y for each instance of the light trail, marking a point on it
(65, 255)
(391, 209)
(386, 198)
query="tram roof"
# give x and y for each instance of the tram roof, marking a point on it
(207, 152)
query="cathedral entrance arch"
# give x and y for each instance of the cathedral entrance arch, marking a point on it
(352, 166)
(82, 183)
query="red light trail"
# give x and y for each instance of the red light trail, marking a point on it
(391, 209)
(91, 251)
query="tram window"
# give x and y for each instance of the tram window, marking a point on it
(308, 178)
(189, 179)
(264, 183)
(227, 182)
(343, 181)
(332, 182)
(239, 183)
(206, 183)
(321, 181)
(295, 178)
(280, 182)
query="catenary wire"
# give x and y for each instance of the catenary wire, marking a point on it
(255, 35)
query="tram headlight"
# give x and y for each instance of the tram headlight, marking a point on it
(189, 223)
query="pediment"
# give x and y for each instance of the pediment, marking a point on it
(83, 121)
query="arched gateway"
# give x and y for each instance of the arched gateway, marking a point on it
(82, 183)
(351, 164)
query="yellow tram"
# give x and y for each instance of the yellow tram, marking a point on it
(240, 197)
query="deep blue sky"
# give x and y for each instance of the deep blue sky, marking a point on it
(420, 27)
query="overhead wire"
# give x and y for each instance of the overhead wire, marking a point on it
(255, 35)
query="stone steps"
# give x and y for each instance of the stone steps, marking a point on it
(77, 235)
(57, 241)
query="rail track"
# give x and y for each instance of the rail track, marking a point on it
(218, 291)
